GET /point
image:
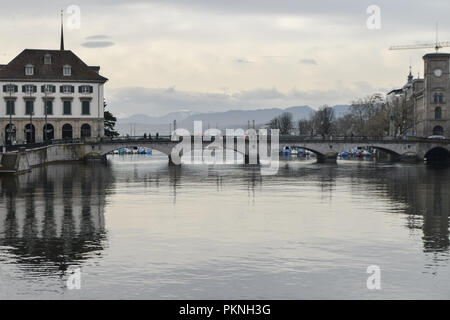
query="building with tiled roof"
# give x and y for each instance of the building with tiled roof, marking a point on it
(71, 90)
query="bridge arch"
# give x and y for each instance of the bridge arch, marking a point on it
(395, 155)
(437, 155)
(110, 148)
(300, 146)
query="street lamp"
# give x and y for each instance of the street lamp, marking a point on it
(30, 129)
(46, 87)
(10, 114)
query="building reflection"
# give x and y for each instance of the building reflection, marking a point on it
(424, 195)
(54, 215)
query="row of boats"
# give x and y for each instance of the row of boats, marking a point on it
(353, 153)
(135, 150)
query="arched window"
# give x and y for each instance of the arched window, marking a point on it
(29, 133)
(67, 131)
(438, 131)
(10, 133)
(85, 131)
(438, 113)
(49, 133)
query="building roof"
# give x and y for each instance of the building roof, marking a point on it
(15, 70)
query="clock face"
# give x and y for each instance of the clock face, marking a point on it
(438, 72)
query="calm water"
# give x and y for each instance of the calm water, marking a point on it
(139, 229)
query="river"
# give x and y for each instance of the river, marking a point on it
(137, 228)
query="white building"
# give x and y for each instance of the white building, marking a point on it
(72, 91)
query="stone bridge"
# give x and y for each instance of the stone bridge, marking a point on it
(325, 149)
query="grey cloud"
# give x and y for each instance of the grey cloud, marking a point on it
(308, 61)
(97, 37)
(160, 101)
(97, 44)
(243, 61)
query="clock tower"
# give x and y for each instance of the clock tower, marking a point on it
(434, 114)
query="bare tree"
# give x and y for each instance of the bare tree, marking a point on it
(324, 121)
(304, 126)
(283, 122)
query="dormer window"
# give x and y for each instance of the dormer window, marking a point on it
(47, 59)
(29, 70)
(67, 70)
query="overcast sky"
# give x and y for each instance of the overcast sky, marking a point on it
(206, 55)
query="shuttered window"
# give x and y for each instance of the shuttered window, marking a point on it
(85, 89)
(67, 106)
(66, 89)
(9, 88)
(49, 108)
(29, 88)
(85, 107)
(10, 107)
(29, 107)
(48, 88)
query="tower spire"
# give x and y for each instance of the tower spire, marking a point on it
(62, 33)
(410, 76)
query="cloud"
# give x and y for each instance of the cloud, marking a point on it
(97, 44)
(97, 37)
(308, 61)
(242, 61)
(160, 101)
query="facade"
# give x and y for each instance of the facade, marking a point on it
(50, 94)
(423, 102)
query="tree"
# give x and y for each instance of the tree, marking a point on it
(324, 121)
(283, 123)
(369, 118)
(110, 122)
(286, 123)
(304, 126)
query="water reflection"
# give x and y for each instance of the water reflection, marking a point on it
(53, 215)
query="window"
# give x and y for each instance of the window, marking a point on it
(29, 107)
(438, 131)
(85, 107)
(9, 88)
(29, 70)
(438, 98)
(67, 70)
(10, 107)
(47, 59)
(49, 107)
(29, 88)
(48, 88)
(66, 89)
(438, 113)
(67, 107)
(85, 89)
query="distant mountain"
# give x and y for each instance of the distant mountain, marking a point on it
(233, 118)
(140, 124)
(145, 119)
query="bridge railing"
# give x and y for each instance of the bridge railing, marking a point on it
(167, 138)
(35, 145)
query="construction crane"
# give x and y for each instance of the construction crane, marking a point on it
(437, 45)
